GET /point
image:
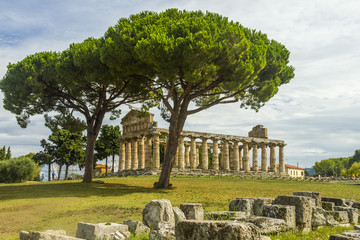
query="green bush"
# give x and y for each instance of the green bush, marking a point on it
(17, 170)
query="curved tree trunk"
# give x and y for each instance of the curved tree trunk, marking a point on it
(113, 162)
(176, 126)
(66, 171)
(60, 166)
(106, 167)
(89, 156)
(49, 172)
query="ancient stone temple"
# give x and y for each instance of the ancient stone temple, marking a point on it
(141, 141)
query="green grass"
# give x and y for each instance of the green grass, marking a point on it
(62, 204)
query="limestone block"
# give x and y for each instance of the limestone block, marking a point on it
(265, 224)
(286, 213)
(328, 206)
(243, 205)
(340, 216)
(353, 213)
(259, 204)
(165, 231)
(320, 217)
(223, 215)
(303, 209)
(90, 231)
(215, 230)
(34, 235)
(337, 201)
(120, 235)
(357, 227)
(58, 232)
(158, 211)
(353, 233)
(314, 195)
(137, 227)
(178, 214)
(349, 203)
(193, 211)
(341, 237)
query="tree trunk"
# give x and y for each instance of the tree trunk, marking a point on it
(66, 171)
(176, 126)
(60, 166)
(113, 162)
(106, 167)
(89, 155)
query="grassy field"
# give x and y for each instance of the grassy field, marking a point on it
(62, 204)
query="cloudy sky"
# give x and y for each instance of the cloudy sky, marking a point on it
(317, 114)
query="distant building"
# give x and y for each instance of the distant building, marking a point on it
(293, 171)
(100, 168)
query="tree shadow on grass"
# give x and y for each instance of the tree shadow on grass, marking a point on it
(71, 189)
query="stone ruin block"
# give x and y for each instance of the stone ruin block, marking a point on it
(340, 216)
(157, 211)
(242, 205)
(54, 235)
(303, 209)
(284, 212)
(328, 206)
(266, 225)
(341, 237)
(90, 231)
(192, 211)
(137, 228)
(259, 204)
(223, 215)
(259, 132)
(314, 195)
(178, 214)
(320, 217)
(215, 230)
(349, 203)
(165, 231)
(353, 213)
(357, 227)
(337, 201)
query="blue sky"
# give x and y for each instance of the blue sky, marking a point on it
(317, 114)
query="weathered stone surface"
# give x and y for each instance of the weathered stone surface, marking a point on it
(120, 235)
(314, 195)
(353, 233)
(178, 214)
(337, 201)
(165, 231)
(353, 213)
(137, 227)
(192, 211)
(287, 213)
(90, 231)
(303, 209)
(243, 205)
(349, 203)
(340, 216)
(328, 206)
(321, 218)
(158, 211)
(265, 224)
(58, 232)
(34, 235)
(259, 204)
(341, 237)
(216, 230)
(356, 205)
(223, 215)
(357, 227)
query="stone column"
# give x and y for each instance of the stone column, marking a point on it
(264, 163)
(225, 155)
(193, 153)
(246, 159)
(272, 158)
(148, 151)
(122, 155)
(181, 154)
(197, 157)
(281, 160)
(204, 155)
(241, 164)
(128, 155)
(255, 158)
(156, 151)
(134, 153)
(141, 153)
(215, 155)
(187, 156)
(236, 156)
(176, 160)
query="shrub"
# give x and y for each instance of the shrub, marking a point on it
(16, 170)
